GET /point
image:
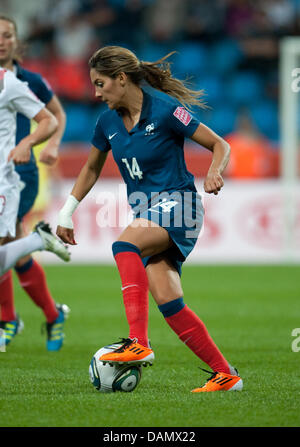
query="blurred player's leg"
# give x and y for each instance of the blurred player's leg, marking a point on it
(33, 280)
(11, 252)
(11, 328)
(7, 298)
(40, 239)
(9, 320)
(55, 334)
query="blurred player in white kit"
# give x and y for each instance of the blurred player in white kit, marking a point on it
(15, 97)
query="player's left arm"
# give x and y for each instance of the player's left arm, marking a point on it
(221, 152)
(49, 153)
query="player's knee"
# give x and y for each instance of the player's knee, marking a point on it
(163, 295)
(24, 262)
(19, 230)
(124, 246)
(132, 234)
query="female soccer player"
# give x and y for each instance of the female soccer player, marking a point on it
(15, 97)
(29, 272)
(145, 131)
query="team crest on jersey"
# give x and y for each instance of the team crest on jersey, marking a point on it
(183, 115)
(150, 129)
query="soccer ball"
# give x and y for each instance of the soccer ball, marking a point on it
(108, 379)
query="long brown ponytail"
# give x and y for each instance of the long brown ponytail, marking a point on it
(112, 60)
(158, 75)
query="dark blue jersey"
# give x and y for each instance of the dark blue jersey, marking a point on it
(42, 90)
(150, 157)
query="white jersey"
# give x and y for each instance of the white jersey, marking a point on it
(15, 96)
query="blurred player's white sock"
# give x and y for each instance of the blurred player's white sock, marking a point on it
(11, 252)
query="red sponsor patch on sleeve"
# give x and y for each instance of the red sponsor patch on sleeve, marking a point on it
(183, 115)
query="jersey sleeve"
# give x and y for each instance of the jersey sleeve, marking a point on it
(22, 98)
(99, 140)
(43, 89)
(182, 121)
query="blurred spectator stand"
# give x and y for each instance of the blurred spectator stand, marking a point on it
(252, 155)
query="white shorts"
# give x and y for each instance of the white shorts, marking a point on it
(9, 202)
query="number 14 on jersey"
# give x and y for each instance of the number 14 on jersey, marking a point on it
(134, 169)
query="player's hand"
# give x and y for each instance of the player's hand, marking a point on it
(213, 182)
(49, 155)
(66, 235)
(20, 154)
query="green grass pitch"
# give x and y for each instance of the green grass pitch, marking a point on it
(250, 312)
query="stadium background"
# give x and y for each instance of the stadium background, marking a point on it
(229, 48)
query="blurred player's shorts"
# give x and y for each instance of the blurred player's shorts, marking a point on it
(9, 201)
(29, 192)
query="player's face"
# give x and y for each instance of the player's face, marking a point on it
(8, 41)
(107, 89)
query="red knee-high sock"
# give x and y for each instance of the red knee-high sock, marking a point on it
(7, 297)
(33, 280)
(135, 293)
(192, 331)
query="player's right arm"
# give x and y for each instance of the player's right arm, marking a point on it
(47, 125)
(84, 183)
(21, 99)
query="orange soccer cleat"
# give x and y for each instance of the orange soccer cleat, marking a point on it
(221, 382)
(129, 352)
